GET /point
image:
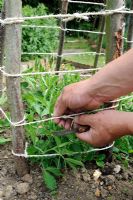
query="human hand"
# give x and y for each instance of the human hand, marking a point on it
(75, 98)
(105, 126)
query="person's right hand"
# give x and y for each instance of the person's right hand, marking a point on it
(75, 98)
(105, 126)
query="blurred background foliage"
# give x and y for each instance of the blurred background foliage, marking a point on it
(36, 39)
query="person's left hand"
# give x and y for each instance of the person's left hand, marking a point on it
(105, 127)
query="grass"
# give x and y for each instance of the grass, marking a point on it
(86, 59)
(82, 45)
(79, 43)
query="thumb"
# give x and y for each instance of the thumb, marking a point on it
(87, 137)
(84, 119)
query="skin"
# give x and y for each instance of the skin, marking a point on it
(106, 126)
(111, 82)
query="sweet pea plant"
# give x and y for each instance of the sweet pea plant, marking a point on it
(39, 95)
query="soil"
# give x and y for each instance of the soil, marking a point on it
(73, 186)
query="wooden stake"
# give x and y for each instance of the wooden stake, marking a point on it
(114, 41)
(130, 30)
(13, 62)
(62, 35)
(114, 31)
(99, 46)
(2, 37)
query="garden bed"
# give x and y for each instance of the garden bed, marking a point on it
(72, 186)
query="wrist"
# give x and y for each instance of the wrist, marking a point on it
(99, 90)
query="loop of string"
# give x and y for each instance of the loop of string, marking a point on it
(9, 120)
(26, 155)
(22, 123)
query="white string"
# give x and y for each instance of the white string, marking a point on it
(12, 123)
(71, 41)
(86, 2)
(131, 41)
(41, 26)
(82, 53)
(121, 10)
(75, 17)
(84, 31)
(37, 53)
(66, 29)
(122, 99)
(3, 89)
(64, 54)
(21, 123)
(49, 72)
(25, 155)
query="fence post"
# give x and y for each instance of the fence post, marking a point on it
(13, 8)
(130, 30)
(114, 31)
(114, 40)
(2, 37)
(62, 35)
(99, 46)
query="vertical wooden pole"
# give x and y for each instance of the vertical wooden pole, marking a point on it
(13, 8)
(62, 35)
(130, 30)
(99, 46)
(2, 37)
(114, 41)
(114, 31)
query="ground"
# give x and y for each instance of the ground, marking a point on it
(73, 186)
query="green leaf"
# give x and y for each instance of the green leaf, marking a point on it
(73, 161)
(116, 150)
(49, 180)
(4, 140)
(130, 151)
(101, 157)
(90, 157)
(100, 163)
(54, 171)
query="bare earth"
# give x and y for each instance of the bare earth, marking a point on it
(73, 186)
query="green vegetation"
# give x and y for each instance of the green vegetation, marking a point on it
(36, 39)
(82, 45)
(39, 96)
(86, 59)
(1, 2)
(4, 140)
